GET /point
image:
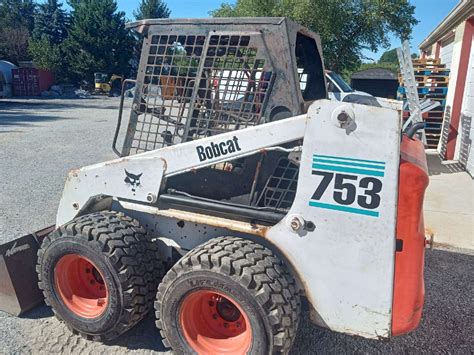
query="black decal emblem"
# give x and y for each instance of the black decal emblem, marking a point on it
(133, 180)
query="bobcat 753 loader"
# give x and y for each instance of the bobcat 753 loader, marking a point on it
(240, 189)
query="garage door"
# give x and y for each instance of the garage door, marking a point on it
(446, 52)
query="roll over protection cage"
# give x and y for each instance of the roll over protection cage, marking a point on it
(198, 78)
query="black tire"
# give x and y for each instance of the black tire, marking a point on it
(128, 264)
(250, 275)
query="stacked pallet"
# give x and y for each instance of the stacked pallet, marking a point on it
(432, 79)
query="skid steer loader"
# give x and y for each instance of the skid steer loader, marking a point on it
(239, 190)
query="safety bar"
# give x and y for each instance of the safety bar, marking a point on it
(119, 120)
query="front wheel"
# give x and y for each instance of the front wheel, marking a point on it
(228, 296)
(99, 273)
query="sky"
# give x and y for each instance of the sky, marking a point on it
(429, 12)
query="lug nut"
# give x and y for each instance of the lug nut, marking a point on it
(215, 316)
(226, 325)
(211, 304)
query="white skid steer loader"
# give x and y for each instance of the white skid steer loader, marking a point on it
(240, 189)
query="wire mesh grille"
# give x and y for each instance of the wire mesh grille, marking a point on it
(195, 87)
(280, 189)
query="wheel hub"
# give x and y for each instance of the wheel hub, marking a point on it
(214, 323)
(80, 286)
(227, 310)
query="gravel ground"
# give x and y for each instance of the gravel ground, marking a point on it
(41, 140)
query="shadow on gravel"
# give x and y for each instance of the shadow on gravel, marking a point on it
(59, 104)
(21, 120)
(39, 312)
(145, 336)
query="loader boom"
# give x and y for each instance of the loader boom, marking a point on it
(108, 178)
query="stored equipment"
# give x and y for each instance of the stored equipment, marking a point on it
(104, 85)
(239, 191)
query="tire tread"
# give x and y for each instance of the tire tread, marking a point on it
(255, 267)
(133, 255)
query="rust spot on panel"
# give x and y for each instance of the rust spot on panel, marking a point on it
(238, 226)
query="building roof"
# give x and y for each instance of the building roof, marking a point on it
(463, 10)
(375, 74)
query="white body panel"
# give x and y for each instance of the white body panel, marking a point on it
(345, 263)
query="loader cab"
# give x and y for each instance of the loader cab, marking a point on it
(100, 78)
(200, 78)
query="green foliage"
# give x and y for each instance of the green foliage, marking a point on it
(16, 24)
(346, 27)
(389, 57)
(98, 40)
(151, 9)
(51, 22)
(50, 31)
(45, 55)
(17, 13)
(14, 43)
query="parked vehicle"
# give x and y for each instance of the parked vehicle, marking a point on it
(339, 90)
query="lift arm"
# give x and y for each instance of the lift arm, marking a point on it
(139, 177)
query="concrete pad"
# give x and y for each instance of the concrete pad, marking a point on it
(449, 204)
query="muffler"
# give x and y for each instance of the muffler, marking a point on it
(19, 290)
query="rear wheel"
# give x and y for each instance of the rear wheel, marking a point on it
(228, 296)
(99, 273)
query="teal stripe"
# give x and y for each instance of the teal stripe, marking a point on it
(362, 165)
(343, 169)
(348, 159)
(343, 208)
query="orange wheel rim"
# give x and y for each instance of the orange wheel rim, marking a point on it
(214, 323)
(80, 286)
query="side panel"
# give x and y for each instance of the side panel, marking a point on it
(409, 287)
(347, 196)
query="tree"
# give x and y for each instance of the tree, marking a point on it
(51, 22)
(97, 39)
(47, 55)
(346, 27)
(16, 24)
(49, 32)
(17, 13)
(152, 9)
(389, 57)
(14, 43)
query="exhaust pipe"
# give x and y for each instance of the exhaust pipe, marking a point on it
(19, 290)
